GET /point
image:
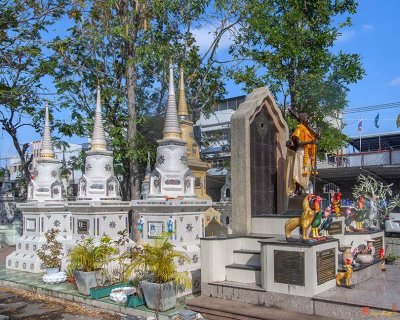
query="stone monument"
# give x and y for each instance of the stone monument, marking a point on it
(258, 257)
(172, 203)
(98, 209)
(45, 208)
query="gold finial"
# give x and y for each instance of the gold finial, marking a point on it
(183, 112)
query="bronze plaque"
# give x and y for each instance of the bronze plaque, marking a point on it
(289, 267)
(336, 228)
(326, 266)
(83, 226)
(378, 243)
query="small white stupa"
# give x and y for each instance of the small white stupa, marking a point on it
(171, 204)
(46, 183)
(98, 182)
(171, 176)
(45, 208)
(98, 210)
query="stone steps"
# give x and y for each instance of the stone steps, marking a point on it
(247, 257)
(243, 273)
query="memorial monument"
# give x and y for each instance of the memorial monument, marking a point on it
(45, 208)
(172, 203)
(280, 269)
(98, 209)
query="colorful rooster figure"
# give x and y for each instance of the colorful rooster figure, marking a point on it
(311, 205)
(326, 222)
(317, 218)
(382, 257)
(360, 214)
(335, 203)
(348, 220)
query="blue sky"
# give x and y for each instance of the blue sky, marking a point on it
(374, 35)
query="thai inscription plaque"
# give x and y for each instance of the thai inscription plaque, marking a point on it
(83, 226)
(289, 267)
(378, 244)
(336, 228)
(326, 266)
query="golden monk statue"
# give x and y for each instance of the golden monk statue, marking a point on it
(302, 155)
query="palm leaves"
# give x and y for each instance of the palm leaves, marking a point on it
(89, 256)
(159, 260)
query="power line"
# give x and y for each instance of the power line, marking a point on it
(373, 107)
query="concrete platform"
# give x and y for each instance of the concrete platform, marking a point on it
(33, 283)
(376, 298)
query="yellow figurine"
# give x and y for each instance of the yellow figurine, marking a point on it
(346, 275)
(306, 218)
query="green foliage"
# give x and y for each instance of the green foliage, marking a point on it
(23, 65)
(51, 252)
(290, 45)
(125, 47)
(89, 256)
(159, 261)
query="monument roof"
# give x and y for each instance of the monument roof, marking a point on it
(46, 149)
(182, 105)
(172, 130)
(98, 141)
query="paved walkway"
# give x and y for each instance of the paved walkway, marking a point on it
(20, 304)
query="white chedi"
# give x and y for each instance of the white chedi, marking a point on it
(46, 183)
(171, 177)
(99, 182)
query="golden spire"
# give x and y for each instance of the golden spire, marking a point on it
(183, 112)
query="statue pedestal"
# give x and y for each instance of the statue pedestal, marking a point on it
(298, 268)
(38, 218)
(186, 219)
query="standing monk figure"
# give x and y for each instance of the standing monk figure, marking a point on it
(304, 140)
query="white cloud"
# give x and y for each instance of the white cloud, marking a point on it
(205, 36)
(395, 82)
(367, 27)
(346, 35)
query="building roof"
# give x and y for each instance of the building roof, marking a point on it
(373, 142)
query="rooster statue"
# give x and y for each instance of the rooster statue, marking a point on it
(335, 203)
(311, 205)
(326, 222)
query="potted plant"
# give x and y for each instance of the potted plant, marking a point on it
(390, 258)
(112, 274)
(70, 274)
(88, 257)
(137, 298)
(51, 252)
(158, 262)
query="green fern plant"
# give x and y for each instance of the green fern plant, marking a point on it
(158, 260)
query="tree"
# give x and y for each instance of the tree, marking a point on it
(378, 195)
(287, 45)
(22, 66)
(126, 46)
